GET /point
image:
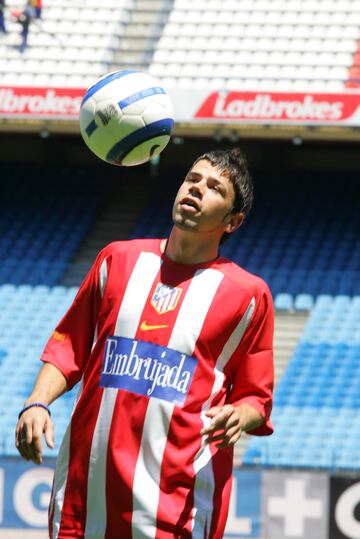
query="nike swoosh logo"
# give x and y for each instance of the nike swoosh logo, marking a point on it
(146, 327)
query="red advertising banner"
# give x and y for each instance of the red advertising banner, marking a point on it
(40, 102)
(199, 106)
(280, 107)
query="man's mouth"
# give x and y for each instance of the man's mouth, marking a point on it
(189, 204)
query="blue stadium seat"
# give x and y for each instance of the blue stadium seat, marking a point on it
(304, 302)
(284, 302)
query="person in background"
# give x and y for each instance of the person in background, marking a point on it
(37, 5)
(24, 18)
(2, 19)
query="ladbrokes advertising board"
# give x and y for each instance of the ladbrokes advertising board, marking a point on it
(57, 103)
(199, 106)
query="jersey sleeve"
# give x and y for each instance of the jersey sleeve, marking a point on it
(253, 367)
(70, 344)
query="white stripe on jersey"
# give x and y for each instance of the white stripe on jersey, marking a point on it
(204, 482)
(147, 472)
(60, 480)
(102, 283)
(146, 489)
(136, 294)
(103, 277)
(194, 309)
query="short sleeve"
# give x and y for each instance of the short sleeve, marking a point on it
(252, 370)
(69, 346)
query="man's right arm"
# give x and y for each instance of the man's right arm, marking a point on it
(49, 385)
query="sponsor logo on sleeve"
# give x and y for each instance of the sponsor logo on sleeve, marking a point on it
(147, 369)
(57, 336)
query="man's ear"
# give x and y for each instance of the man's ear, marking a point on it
(233, 221)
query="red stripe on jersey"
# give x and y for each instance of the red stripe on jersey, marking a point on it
(222, 465)
(123, 450)
(177, 476)
(162, 323)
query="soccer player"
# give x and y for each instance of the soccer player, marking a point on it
(172, 346)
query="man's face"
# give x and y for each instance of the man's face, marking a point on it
(204, 200)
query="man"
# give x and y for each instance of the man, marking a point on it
(24, 18)
(2, 18)
(172, 345)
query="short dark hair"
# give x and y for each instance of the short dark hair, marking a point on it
(233, 162)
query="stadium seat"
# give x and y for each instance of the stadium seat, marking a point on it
(284, 302)
(304, 302)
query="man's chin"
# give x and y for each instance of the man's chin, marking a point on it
(186, 225)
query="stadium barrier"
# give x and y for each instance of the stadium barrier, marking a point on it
(276, 504)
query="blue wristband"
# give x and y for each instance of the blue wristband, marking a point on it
(40, 404)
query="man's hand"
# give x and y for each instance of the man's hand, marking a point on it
(228, 422)
(29, 430)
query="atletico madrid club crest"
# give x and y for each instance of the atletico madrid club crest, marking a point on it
(165, 298)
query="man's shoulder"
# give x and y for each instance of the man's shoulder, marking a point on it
(243, 278)
(126, 246)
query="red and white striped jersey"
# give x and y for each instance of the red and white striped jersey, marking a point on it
(155, 344)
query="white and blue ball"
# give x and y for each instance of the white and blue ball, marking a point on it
(126, 118)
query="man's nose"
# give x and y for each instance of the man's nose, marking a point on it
(197, 189)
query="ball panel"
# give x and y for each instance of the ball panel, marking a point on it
(121, 149)
(139, 96)
(145, 151)
(155, 111)
(122, 88)
(105, 81)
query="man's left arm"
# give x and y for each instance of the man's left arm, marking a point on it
(251, 371)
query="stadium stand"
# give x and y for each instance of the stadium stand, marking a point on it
(307, 248)
(40, 231)
(28, 316)
(308, 45)
(40, 226)
(258, 44)
(72, 45)
(317, 400)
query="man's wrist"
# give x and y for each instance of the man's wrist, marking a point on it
(37, 398)
(35, 404)
(250, 418)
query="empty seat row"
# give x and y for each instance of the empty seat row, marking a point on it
(41, 228)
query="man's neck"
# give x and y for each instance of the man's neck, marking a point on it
(185, 247)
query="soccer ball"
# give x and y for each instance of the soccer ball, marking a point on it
(126, 118)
